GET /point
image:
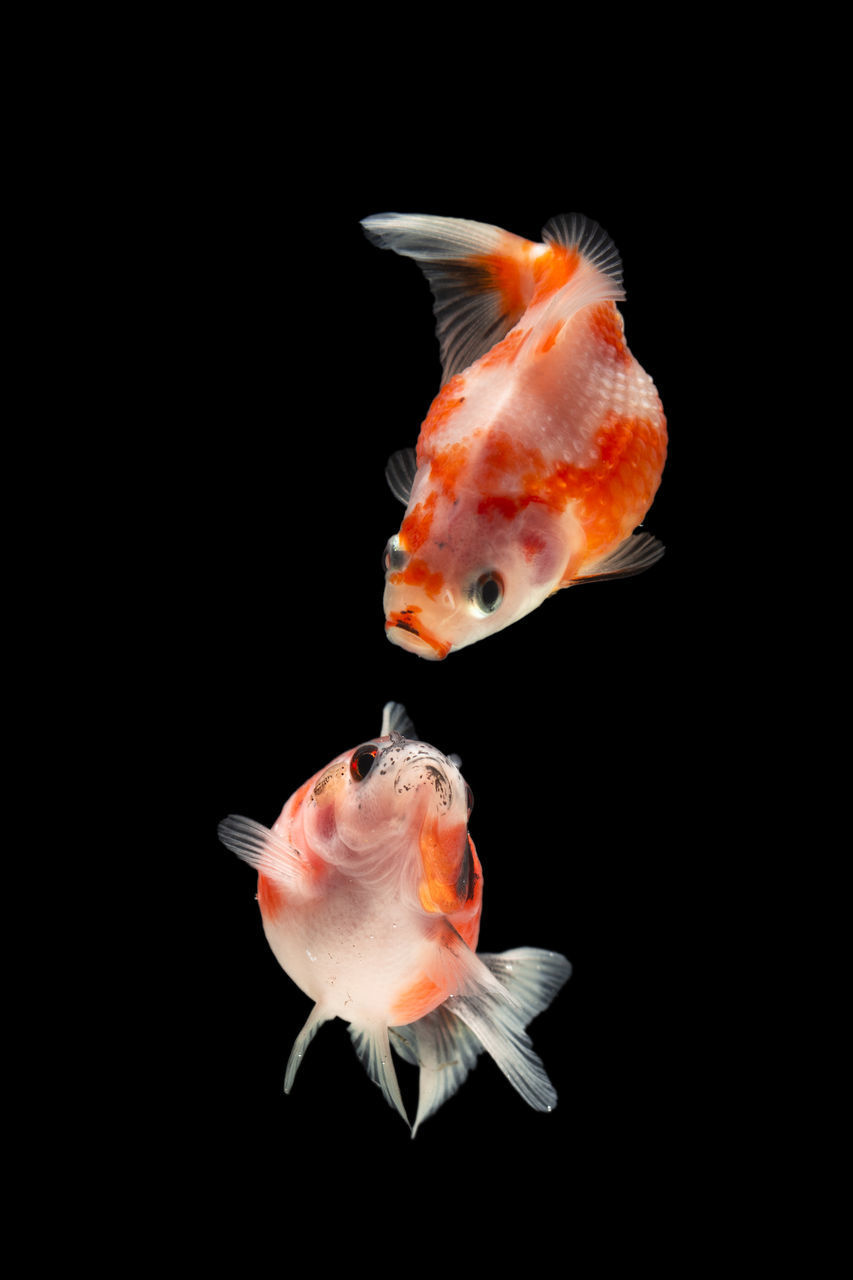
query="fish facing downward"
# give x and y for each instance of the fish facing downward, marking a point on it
(370, 891)
(544, 447)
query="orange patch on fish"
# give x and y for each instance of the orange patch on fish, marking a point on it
(605, 323)
(501, 274)
(505, 351)
(414, 530)
(270, 897)
(446, 859)
(623, 484)
(445, 404)
(553, 270)
(417, 573)
(447, 465)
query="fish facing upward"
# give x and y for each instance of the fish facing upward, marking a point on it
(370, 891)
(544, 447)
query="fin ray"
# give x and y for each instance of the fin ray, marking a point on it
(373, 1047)
(400, 473)
(576, 231)
(264, 850)
(396, 719)
(472, 306)
(445, 1051)
(634, 555)
(496, 1007)
(316, 1018)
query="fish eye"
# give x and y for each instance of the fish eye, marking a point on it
(469, 796)
(487, 592)
(394, 557)
(362, 761)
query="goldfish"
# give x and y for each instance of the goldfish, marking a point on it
(543, 450)
(370, 893)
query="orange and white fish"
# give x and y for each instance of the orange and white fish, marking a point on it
(370, 892)
(545, 446)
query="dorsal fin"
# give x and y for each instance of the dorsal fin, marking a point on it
(575, 231)
(396, 719)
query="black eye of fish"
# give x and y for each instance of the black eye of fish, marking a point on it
(469, 796)
(394, 556)
(487, 592)
(362, 761)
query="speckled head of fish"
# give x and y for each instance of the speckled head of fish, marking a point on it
(542, 451)
(385, 808)
(370, 891)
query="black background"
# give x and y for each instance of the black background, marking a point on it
(303, 356)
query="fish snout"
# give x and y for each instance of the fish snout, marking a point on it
(403, 627)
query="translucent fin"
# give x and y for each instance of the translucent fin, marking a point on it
(575, 231)
(532, 975)
(265, 851)
(634, 555)
(502, 1035)
(444, 1049)
(316, 1018)
(395, 718)
(474, 271)
(495, 997)
(400, 473)
(374, 1049)
(499, 998)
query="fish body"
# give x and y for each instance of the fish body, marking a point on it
(544, 447)
(370, 891)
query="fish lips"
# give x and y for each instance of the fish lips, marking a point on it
(404, 629)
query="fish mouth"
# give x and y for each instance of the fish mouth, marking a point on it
(403, 629)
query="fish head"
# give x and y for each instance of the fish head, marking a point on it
(476, 576)
(396, 805)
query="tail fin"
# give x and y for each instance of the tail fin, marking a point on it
(483, 278)
(373, 1047)
(479, 275)
(491, 1014)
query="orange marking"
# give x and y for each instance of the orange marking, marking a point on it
(550, 338)
(270, 897)
(417, 1001)
(417, 573)
(442, 408)
(424, 994)
(444, 849)
(552, 270)
(505, 351)
(620, 489)
(504, 275)
(414, 530)
(407, 620)
(447, 464)
(620, 482)
(604, 321)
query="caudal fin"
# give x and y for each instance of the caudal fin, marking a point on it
(501, 994)
(479, 276)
